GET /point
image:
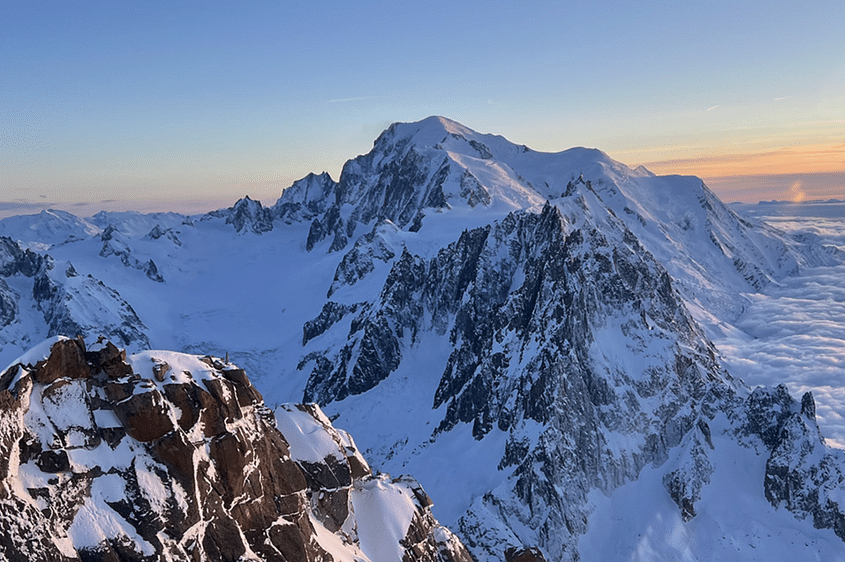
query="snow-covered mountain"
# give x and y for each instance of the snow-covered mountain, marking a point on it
(166, 456)
(526, 333)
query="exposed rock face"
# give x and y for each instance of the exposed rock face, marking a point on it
(562, 321)
(158, 232)
(306, 198)
(529, 305)
(400, 180)
(114, 244)
(14, 260)
(175, 457)
(802, 474)
(250, 216)
(8, 304)
(685, 481)
(361, 260)
(532, 554)
(66, 299)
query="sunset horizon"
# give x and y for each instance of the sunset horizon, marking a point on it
(161, 107)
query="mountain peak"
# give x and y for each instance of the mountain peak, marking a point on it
(428, 131)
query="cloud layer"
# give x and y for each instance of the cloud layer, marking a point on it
(795, 333)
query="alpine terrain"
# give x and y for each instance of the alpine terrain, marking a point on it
(528, 334)
(166, 456)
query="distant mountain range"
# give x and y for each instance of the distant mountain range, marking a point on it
(525, 333)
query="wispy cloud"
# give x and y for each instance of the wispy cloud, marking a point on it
(712, 107)
(354, 99)
(798, 194)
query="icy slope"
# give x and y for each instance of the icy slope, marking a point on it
(166, 456)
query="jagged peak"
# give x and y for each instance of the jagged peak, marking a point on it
(311, 188)
(246, 200)
(250, 215)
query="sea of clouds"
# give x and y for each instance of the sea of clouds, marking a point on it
(794, 333)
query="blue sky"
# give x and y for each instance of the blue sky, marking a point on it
(190, 105)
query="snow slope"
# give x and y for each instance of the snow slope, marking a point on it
(403, 271)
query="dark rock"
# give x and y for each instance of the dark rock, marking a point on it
(144, 415)
(225, 395)
(808, 406)
(53, 461)
(329, 474)
(106, 356)
(185, 397)
(160, 369)
(8, 305)
(15, 260)
(159, 232)
(524, 554)
(151, 271)
(67, 359)
(250, 216)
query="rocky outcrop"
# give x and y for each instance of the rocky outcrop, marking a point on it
(115, 244)
(82, 305)
(530, 554)
(247, 215)
(174, 457)
(305, 198)
(375, 246)
(802, 474)
(692, 471)
(331, 313)
(15, 260)
(346, 497)
(8, 304)
(158, 232)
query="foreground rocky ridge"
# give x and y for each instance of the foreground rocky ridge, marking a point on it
(166, 456)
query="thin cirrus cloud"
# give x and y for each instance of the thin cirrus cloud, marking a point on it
(354, 99)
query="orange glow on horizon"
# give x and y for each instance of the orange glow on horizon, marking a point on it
(820, 158)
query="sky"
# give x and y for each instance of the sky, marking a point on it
(188, 106)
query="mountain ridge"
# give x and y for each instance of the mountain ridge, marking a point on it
(164, 456)
(454, 295)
